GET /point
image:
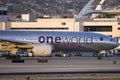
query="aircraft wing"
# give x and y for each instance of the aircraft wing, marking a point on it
(13, 46)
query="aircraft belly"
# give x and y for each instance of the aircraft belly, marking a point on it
(82, 47)
(75, 47)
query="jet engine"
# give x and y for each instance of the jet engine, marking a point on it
(0, 46)
(42, 50)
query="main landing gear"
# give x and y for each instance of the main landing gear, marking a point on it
(15, 58)
(99, 57)
(9, 56)
(101, 54)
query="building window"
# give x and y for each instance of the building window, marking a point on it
(118, 28)
(118, 23)
(43, 28)
(63, 23)
(98, 28)
(0, 12)
(3, 12)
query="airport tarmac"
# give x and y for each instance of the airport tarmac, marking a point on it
(79, 64)
(69, 65)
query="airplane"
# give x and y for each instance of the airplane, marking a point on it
(43, 43)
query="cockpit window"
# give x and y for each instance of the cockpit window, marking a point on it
(113, 40)
(101, 38)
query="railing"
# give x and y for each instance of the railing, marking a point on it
(99, 20)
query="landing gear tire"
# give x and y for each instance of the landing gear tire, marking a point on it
(99, 57)
(8, 57)
(16, 57)
(42, 60)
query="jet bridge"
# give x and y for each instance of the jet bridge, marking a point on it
(87, 10)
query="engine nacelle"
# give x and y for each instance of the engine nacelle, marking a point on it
(42, 50)
(0, 46)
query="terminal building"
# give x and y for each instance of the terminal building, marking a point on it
(106, 21)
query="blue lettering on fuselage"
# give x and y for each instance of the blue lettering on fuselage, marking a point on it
(41, 39)
(71, 39)
(49, 39)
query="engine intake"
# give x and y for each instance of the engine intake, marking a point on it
(42, 50)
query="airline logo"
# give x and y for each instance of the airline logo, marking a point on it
(69, 39)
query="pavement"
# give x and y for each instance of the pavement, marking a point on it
(58, 65)
(74, 64)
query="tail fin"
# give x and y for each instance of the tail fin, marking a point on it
(86, 10)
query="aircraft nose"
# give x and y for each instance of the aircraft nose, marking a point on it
(112, 43)
(115, 43)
